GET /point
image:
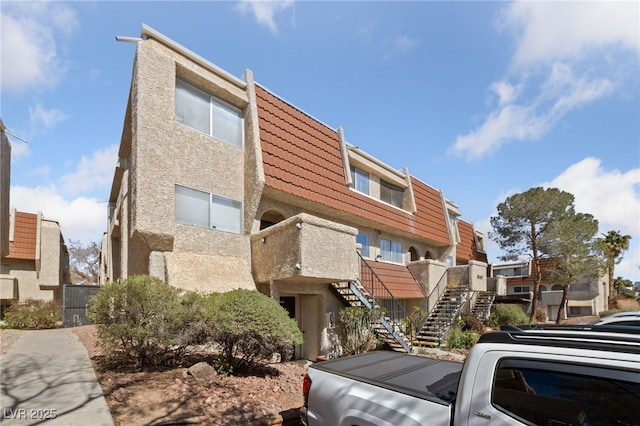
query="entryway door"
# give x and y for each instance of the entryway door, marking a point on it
(310, 326)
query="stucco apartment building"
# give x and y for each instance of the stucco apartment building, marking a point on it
(586, 297)
(37, 263)
(221, 184)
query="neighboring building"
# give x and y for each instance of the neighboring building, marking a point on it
(5, 185)
(221, 184)
(37, 265)
(585, 297)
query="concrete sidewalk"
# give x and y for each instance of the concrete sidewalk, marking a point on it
(46, 377)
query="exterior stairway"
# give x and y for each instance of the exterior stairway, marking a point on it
(435, 328)
(482, 306)
(361, 293)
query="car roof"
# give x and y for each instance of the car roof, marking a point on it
(614, 338)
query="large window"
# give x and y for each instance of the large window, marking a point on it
(363, 239)
(391, 194)
(201, 111)
(517, 271)
(206, 210)
(549, 393)
(360, 180)
(391, 250)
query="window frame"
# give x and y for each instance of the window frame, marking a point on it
(217, 109)
(392, 253)
(359, 178)
(366, 248)
(389, 190)
(215, 203)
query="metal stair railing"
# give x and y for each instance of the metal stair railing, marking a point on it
(430, 302)
(394, 314)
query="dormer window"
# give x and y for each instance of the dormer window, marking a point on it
(391, 194)
(360, 180)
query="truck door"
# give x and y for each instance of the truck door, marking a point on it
(531, 390)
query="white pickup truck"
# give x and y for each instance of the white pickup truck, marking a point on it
(578, 375)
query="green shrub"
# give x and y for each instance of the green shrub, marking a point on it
(143, 319)
(249, 329)
(457, 338)
(357, 334)
(33, 314)
(507, 314)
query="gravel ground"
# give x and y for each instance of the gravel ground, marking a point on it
(8, 338)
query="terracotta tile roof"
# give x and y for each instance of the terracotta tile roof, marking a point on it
(397, 279)
(23, 245)
(302, 157)
(467, 248)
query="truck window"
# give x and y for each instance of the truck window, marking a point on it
(547, 393)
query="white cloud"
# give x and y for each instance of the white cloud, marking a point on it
(548, 31)
(30, 52)
(81, 218)
(505, 91)
(593, 188)
(404, 44)
(38, 115)
(92, 173)
(265, 11)
(554, 40)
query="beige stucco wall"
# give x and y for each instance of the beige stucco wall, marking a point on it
(305, 248)
(164, 153)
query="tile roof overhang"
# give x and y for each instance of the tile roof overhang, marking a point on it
(23, 245)
(302, 157)
(398, 279)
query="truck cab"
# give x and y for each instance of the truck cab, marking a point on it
(528, 375)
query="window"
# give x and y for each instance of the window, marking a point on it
(391, 250)
(579, 287)
(553, 393)
(206, 210)
(360, 180)
(197, 109)
(521, 289)
(363, 239)
(580, 311)
(518, 271)
(391, 194)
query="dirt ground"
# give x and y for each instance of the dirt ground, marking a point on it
(176, 397)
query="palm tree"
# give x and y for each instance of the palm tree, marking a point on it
(613, 246)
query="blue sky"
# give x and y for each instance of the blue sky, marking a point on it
(479, 99)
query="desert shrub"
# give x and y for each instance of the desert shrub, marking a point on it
(143, 319)
(33, 314)
(414, 320)
(506, 314)
(472, 323)
(249, 329)
(541, 314)
(357, 334)
(458, 338)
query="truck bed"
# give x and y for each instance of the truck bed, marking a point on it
(426, 378)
